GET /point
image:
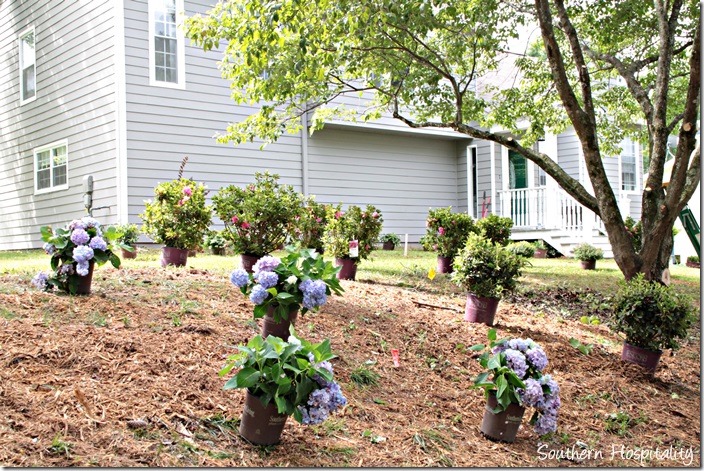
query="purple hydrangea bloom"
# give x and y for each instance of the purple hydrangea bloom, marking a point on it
(537, 357)
(532, 395)
(40, 280)
(267, 263)
(267, 279)
(66, 269)
(239, 277)
(83, 268)
(49, 248)
(546, 423)
(321, 403)
(80, 236)
(82, 253)
(520, 344)
(517, 362)
(76, 224)
(259, 294)
(499, 348)
(98, 243)
(313, 293)
(90, 222)
(550, 383)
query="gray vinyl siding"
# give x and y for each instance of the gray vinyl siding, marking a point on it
(403, 176)
(462, 177)
(166, 124)
(484, 174)
(568, 153)
(75, 101)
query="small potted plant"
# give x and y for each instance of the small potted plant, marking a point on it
(259, 217)
(446, 233)
(513, 380)
(389, 241)
(652, 317)
(541, 249)
(178, 218)
(486, 270)
(216, 242)
(523, 249)
(350, 236)
(74, 252)
(283, 378)
(310, 225)
(693, 261)
(280, 287)
(588, 255)
(127, 235)
(495, 228)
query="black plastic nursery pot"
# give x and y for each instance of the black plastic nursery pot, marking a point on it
(502, 426)
(444, 264)
(248, 262)
(648, 359)
(278, 329)
(349, 268)
(173, 256)
(480, 309)
(261, 425)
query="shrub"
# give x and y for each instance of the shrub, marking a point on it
(586, 252)
(693, 259)
(310, 226)
(446, 231)
(522, 249)
(259, 217)
(354, 224)
(651, 315)
(178, 216)
(215, 240)
(390, 237)
(127, 234)
(486, 269)
(495, 228)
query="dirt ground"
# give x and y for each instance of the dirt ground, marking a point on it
(128, 377)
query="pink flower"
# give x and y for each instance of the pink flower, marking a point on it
(251, 187)
(181, 202)
(375, 215)
(435, 246)
(298, 218)
(245, 225)
(441, 231)
(366, 246)
(338, 214)
(318, 219)
(364, 215)
(235, 219)
(187, 191)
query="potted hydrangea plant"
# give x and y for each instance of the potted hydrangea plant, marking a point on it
(215, 241)
(310, 225)
(587, 254)
(653, 317)
(280, 287)
(350, 236)
(446, 233)
(486, 270)
(283, 378)
(128, 234)
(513, 380)
(74, 252)
(389, 241)
(259, 217)
(541, 249)
(178, 218)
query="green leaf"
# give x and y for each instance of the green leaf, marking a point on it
(494, 362)
(247, 377)
(501, 386)
(491, 335)
(281, 405)
(477, 348)
(574, 342)
(115, 260)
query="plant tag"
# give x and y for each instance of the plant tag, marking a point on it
(354, 248)
(431, 274)
(394, 356)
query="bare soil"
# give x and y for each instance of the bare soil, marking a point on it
(128, 376)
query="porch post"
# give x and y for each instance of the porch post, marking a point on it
(553, 213)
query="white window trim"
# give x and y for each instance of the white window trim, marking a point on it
(472, 182)
(53, 145)
(180, 48)
(637, 155)
(21, 68)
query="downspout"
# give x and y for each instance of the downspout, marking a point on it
(121, 186)
(304, 153)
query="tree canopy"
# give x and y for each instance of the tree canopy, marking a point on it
(609, 69)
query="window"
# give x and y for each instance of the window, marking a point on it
(28, 71)
(51, 168)
(629, 174)
(166, 46)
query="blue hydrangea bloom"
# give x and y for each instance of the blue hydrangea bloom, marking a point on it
(537, 357)
(532, 395)
(267, 263)
(321, 403)
(82, 268)
(520, 344)
(268, 279)
(40, 280)
(76, 224)
(90, 222)
(239, 277)
(80, 236)
(82, 253)
(66, 269)
(259, 294)
(49, 248)
(517, 362)
(546, 423)
(98, 243)
(313, 293)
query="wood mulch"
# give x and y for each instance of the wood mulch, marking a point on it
(129, 377)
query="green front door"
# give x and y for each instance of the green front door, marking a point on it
(517, 179)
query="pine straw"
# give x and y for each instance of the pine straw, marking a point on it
(128, 377)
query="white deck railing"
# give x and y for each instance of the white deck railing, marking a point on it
(543, 208)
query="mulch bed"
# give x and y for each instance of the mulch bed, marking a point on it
(129, 377)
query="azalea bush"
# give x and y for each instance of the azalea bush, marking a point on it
(299, 280)
(310, 225)
(259, 217)
(514, 372)
(127, 234)
(587, 252)
(495, 228)
(343, 227)
(296, 375)
(72, 249)
(446, 232)
(391, 238)
(177, 216)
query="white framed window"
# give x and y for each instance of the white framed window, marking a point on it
(28, 65)
(167, 55)
(628, 166)
(51, 167)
